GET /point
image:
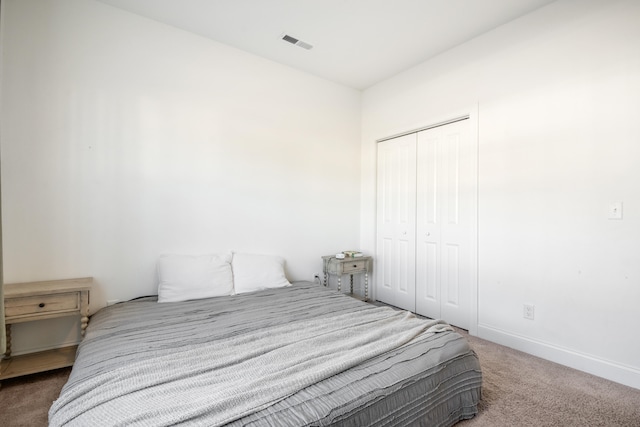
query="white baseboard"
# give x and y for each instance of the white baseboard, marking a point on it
(612, 371)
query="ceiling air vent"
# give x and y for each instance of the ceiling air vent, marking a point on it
(296, 42)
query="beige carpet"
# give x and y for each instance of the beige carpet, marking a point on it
(518, 390)
(25, 401)
(523, 390)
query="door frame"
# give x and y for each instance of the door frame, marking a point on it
(470, 113)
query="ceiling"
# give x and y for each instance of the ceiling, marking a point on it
(356, 43)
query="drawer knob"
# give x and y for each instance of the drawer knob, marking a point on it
(41, 305)
(355, 265)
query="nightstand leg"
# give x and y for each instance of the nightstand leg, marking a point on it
(7, 328)
(351, 277)
(366, 286)
(83, 325)
(339, 283)
(325, 279)
(84, 311)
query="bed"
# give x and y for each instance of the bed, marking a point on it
(302, 355)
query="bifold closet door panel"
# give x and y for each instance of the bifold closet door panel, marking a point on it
(428, 236)
(445, 203)
(396, 222)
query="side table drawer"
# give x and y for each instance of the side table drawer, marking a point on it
(350, 266)
(41, 304)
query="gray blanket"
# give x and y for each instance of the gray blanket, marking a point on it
(213, 361)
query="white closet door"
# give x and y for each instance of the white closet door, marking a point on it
(446, 185)
(396, 223)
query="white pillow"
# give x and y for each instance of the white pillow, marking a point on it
(257, 272)
(188, 277)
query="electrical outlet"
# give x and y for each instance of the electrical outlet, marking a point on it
(529, 311)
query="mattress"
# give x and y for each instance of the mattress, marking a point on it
(297, 356)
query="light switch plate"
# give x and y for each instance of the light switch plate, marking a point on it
(615, 210)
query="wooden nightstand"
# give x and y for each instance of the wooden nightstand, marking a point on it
(350, 266)
(26, 302)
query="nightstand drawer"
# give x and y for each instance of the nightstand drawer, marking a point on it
(41, 304)
(354, 266)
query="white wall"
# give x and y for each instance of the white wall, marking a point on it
(558, 95)
(123, 138)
